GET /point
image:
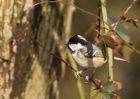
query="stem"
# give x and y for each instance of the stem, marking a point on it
(78, 83)
(109, 50)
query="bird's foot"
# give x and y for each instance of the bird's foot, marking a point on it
(78, 73)
(87, 79)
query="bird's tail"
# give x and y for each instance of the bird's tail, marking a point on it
(120, 59)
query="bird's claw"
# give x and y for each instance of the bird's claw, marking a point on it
(78, 73)
(87, 79)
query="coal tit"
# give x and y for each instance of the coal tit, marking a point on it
(85, 53)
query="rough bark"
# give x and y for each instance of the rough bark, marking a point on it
(28, 32)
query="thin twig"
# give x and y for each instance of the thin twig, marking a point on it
(125, 12)
(57, 57)
(78, 8)
(109, 50)
(78, 83)
(129, 7)
(125, 42)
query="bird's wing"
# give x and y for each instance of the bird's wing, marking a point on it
(93, 51)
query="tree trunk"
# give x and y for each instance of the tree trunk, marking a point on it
(30, 32)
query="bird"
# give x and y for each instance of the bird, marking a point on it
(86, 54)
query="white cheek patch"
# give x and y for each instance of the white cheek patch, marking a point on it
(73, 47)
(79, 46)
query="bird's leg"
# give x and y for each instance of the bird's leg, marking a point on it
(88, 77)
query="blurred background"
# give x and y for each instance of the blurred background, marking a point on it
(33, 34)
(126, 73)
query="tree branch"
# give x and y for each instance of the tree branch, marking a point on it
(109, 50)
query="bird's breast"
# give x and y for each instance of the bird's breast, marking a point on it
(89, 62)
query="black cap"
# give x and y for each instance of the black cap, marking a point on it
(77, 39)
